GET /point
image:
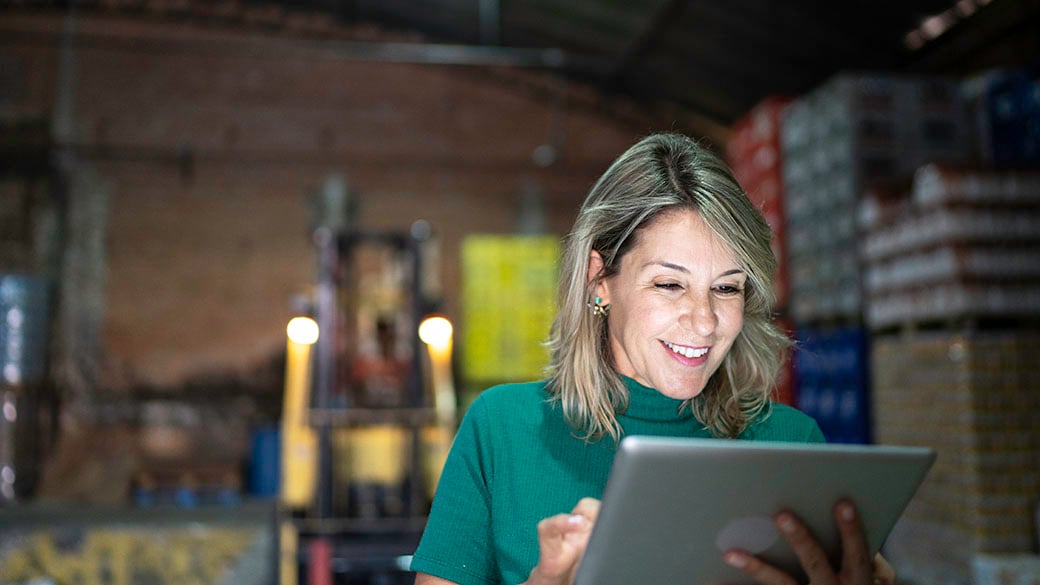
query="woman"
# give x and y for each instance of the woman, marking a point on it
(663, 329)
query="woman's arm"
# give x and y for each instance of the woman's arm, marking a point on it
(424, 579)
(561, 544)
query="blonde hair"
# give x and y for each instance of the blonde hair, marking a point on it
(662, 173)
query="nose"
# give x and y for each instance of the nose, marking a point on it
(698, 315)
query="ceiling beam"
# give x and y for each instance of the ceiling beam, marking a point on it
(280, 47)
(1005, 33)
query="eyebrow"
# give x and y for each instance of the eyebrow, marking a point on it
(685, 270)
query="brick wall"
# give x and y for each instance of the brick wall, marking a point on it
(212, 140)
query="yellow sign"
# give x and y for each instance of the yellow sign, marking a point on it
(509, 301)
(103, 556)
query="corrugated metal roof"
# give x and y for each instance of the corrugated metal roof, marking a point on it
(716, 58)
(713, 59)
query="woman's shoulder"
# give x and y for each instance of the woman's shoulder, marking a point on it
(514, 393)
(515, 401)
(781, 422)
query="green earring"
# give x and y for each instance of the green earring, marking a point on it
(599, 309)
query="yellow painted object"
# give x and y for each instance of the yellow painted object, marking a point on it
(508, 303)
(436, 333)
(288, 570)
(114, 555)
(436, 441)
(299, 441)
(378, 454)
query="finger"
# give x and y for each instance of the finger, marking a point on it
(855, 558)
(756, 569)
(555, 530)
(812, 557)
(587, 507)
(884, 574)
(561, 541)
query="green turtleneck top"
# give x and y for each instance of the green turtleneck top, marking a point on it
(516, 461)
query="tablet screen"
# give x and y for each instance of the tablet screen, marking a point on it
(672, 506)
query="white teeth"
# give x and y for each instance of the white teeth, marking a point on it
(686, 351)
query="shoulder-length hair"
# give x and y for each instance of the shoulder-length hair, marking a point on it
(662, 173)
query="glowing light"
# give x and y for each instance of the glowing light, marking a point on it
(933, 26)
(435, 331)
(937, 25)
(302, 330)
(914, 40)
(12, 374)
(15, 318)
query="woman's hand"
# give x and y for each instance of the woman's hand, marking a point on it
(857, 566)
(561, 543)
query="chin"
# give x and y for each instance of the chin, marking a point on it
(682, 391)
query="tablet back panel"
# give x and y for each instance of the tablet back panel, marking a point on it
(672, 506)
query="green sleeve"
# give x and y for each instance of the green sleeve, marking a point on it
(814, 434)
(457, 543)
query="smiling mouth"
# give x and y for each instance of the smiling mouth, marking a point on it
(690, 352)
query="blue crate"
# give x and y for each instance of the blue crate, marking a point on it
(1011, 117)
(831, 367)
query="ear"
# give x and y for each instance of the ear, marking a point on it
(595, 274)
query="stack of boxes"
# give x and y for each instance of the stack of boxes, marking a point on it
(850, 133)
(832, 383)
(839, 403)
(974, 396)
(914, 282)
(966, 243)
(952, 288)
(1006, 106)
(753, 152)
(853, 132)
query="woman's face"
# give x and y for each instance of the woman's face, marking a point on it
(676, 304)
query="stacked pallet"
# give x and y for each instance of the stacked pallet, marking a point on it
(1005, 106)
(963, 244)
(913, 287)
(831, 362)
(952, 285)
(974, 396)
(837, 141)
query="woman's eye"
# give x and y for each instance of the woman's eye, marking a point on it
(668, 285)
(728, 289)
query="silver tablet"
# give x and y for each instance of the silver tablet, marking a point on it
(672, 506)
